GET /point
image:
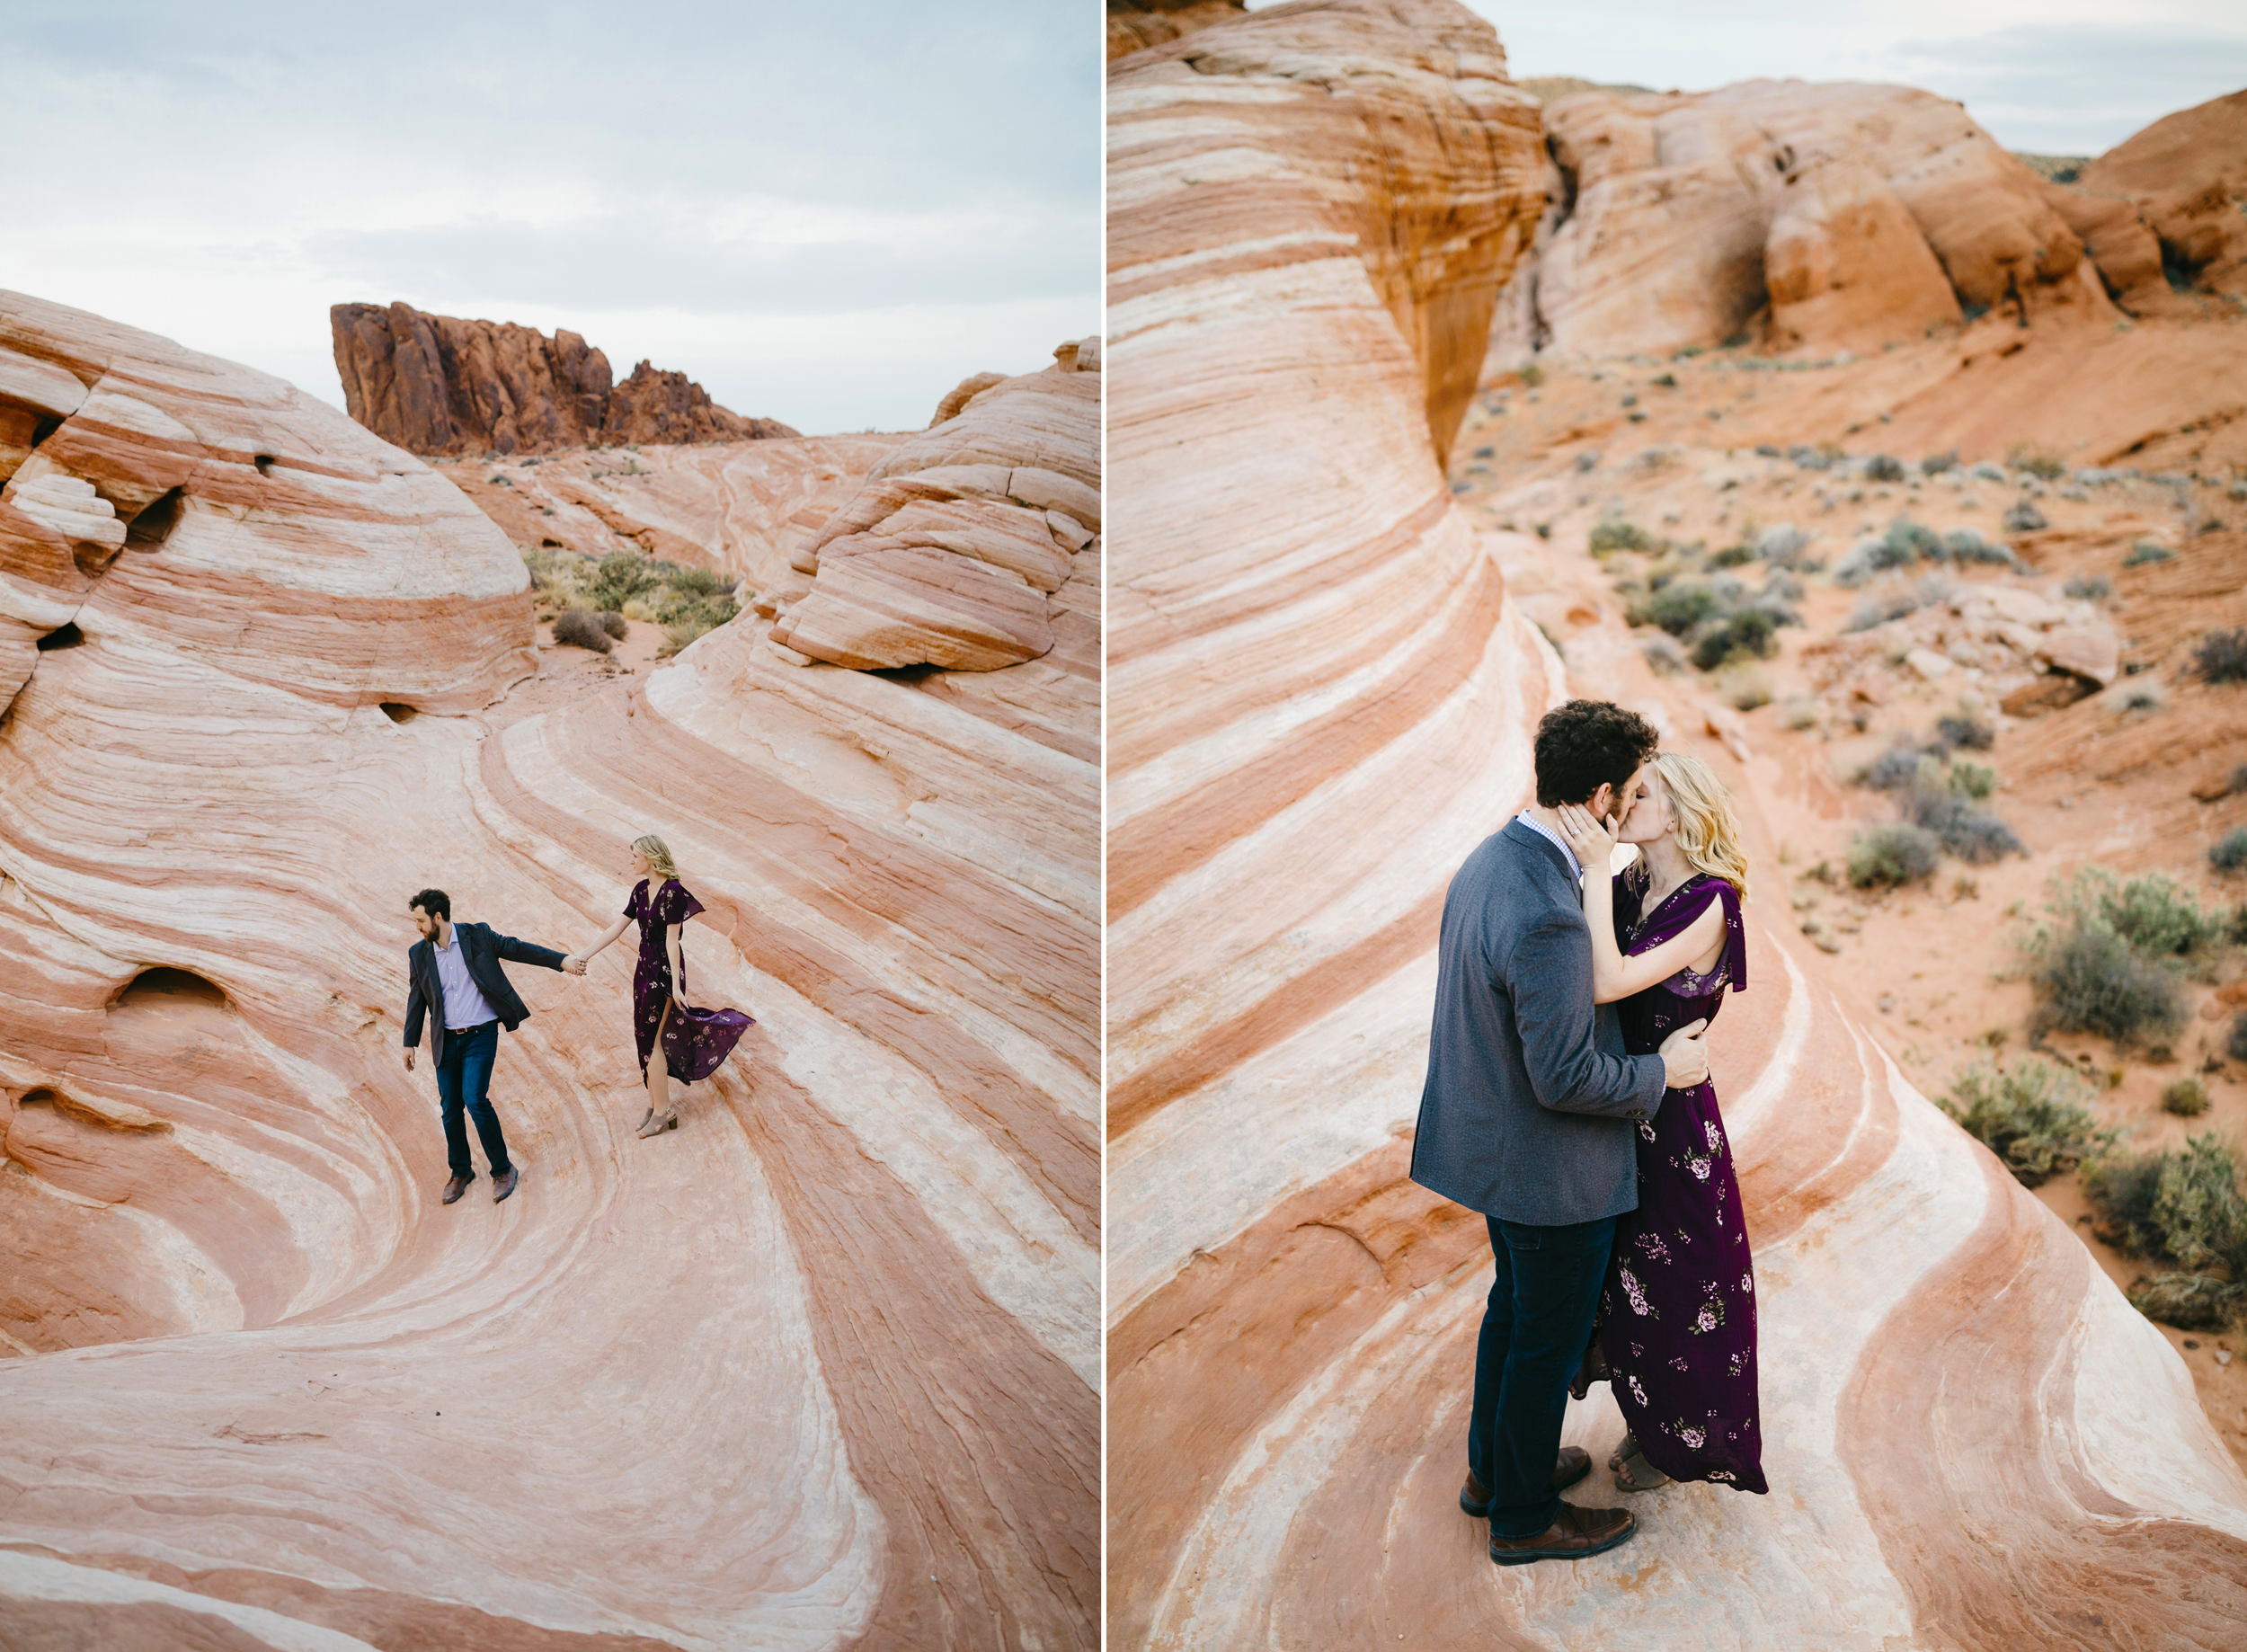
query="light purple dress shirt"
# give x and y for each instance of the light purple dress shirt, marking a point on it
(465, 1006)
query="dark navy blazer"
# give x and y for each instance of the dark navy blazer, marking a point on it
(481, 949)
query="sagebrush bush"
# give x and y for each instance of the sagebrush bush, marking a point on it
(621, 576)
(613, 624)
(1935, 464)
(2237, 1048)
(2146, 551)
(2024, 518)
(2222, 656)
(2032, 1116)
(1974, 835)
(2040, 462)
(1892, 855)
(1733, 557)
(1880, 609)
(1783, 544)
(1744, 687)
(1964, 544)
(1614, 533)
(1965, 732)
(2092, 981)
(1750, 630)
(1883, 467)
(578, 627)
(1676, 607)
(2182, 1207)
(2089, 588)
(2229, 854)
(1894, 768)
(2154, 914)
(1974, 780)
(2187, 1098)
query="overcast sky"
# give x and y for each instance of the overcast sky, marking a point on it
(828, 213)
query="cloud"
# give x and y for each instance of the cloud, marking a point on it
(744, 171)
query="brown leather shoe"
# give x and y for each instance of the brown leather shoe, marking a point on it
(1573, 1533)
(1572, 1465)
(501, 1186)
(455, 1187)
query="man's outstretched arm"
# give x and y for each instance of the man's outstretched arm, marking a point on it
(527, 951)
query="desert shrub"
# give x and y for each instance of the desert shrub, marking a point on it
(1974, 835)
(621, 576)
(1882, 467)
(1964, 733)
(1781, 587)
(1894, 768)
(1747, 632)
(2229, 854)
(1896, 853)
(2023, 518)
(2033, 1116)
(1904, 544)
(1987, 472)
(1531, 375)
(1677, 607)
(1733, 557)
(1880, 609)
(1664, 656)
(2092, 981)
(1974, 780)
(1798, 714)
(702, 582)
(2222, 656)
(1782, 543)
(613, 624)
(2146, 551)
(1744, 687)
(1964, 544)
(1668, 381)
(2182, 1207)
(2154, 914)
(2089, 588)
(2237, 1048)
(2187, 1098)
(2040, 462)
(1935, 464)
(579, 628)
(685, 619)
(1617, 535)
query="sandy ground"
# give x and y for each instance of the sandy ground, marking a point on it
(1936, 968)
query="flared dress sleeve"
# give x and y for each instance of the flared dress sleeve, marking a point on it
(637, 907)
(1730, 969)
(676, 905)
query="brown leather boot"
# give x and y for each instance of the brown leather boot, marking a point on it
(1572, 1465)
(503, 1184)
(1573, 1533)
(455, 1187)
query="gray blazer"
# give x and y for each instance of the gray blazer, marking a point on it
(1527, 1114)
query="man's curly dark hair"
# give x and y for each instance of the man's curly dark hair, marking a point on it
(1587, 744)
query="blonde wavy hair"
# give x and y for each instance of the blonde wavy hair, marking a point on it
(658, 857)
(1706, 829)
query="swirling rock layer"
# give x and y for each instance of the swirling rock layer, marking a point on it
(435, 384)
(816, 1368)
(1322, 698)
(951, 552)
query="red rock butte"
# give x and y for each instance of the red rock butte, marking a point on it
(819, 1368)
(437, 385)
(1322, 690)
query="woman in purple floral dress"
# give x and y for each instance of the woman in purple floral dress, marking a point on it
(676, 1039)
(1677, 1315)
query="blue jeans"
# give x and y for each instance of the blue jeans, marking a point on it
(1534, 1332)
(464, 1075)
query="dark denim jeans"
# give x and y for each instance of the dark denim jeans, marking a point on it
(1534, 1332)
(463, 1078)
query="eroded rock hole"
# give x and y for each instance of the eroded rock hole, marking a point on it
(154, 525)
(264, 463)
(64, 635)
(164, 984)
(45, 427)
(397, 711)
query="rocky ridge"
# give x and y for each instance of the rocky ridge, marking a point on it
(297, 685)
(438, 384)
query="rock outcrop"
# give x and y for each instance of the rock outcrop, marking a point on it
(1808, 215)
(1322, 694)
(437, 385)
(951, 551)
(2166, 210)
(1135, 24)
(817, 1368)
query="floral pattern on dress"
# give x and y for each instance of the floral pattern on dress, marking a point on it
(695, 1040)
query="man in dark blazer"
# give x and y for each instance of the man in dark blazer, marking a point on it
(453, 976)
(1528, 1117)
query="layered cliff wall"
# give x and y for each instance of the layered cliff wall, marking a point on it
(1322, 694)
(439, 384)
(817, 1368)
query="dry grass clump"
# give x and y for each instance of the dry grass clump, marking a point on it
(2187, 1098)
(1891, 855)
(624, 586)
(580, 627)
(2113, 969)
(2222, 656)
(2032, 1116)
(2040, 462)
(2229, 854)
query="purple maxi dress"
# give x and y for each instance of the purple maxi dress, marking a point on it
(695, 1040)
(1677, 1315)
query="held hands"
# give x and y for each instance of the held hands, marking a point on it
(574, 964)
(1685, 1056)
(1592, 839)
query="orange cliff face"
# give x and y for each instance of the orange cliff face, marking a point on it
(283, 689)
(1322, 698)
